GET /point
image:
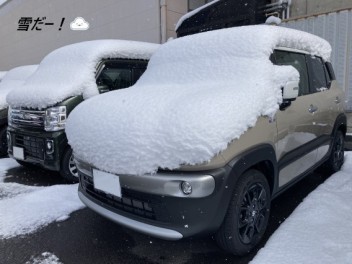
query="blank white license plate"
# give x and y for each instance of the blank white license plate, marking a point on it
(18, 153)
(107, 182)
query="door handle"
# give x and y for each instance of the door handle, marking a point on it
(337, 100)
(312, 108)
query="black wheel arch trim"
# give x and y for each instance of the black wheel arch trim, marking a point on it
(341, 121)
(261, 157)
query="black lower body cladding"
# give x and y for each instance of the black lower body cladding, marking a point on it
(163, 216)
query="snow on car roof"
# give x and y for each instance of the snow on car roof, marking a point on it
(70, 71)
(199, 93)
(12, 79)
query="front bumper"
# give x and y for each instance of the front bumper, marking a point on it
(33, 143)
(162, 211)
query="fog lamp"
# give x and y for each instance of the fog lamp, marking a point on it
(49, 146)
(186, 187)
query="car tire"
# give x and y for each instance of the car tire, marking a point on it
(68, 168)
(3, 142)
(337, 156)
(247, 216)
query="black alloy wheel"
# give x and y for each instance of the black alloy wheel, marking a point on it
(248, 213)
(253, 213)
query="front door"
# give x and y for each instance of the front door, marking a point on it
(297, 135)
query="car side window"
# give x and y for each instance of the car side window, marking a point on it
(317, 74)
(298, 61)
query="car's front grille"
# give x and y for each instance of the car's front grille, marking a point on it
(33, 146)
(131, 201)
(27, 118)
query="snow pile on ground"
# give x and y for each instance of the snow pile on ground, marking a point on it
(28, 208)
(45, 258)
(5, 165)
(319, 230)
(14, 79)
(198, 93)
(70, 71)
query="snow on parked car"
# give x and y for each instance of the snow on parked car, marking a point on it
(2, 74)
(65, 78)
(70, 71)
(198, 94)
(14, 78)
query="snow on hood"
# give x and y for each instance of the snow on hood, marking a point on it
(14, 79)
(199, 93)
(70, 71)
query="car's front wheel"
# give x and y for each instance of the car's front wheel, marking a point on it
(68, 168)
(247, 215)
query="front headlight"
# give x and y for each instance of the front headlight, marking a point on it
(55, 118)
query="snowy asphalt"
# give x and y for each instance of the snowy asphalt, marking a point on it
(89, 238)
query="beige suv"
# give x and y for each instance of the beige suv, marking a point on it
(229, 195)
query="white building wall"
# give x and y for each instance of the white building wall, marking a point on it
(121, 19)
(311, 7)
(175, 9)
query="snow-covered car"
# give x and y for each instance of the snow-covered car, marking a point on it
(221, 123)
(65, 78)
(10, 80)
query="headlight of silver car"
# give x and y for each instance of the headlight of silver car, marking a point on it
(55, 118)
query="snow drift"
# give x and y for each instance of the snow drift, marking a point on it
(199, 93)
(318, 229)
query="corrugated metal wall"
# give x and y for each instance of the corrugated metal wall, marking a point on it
(336, 28)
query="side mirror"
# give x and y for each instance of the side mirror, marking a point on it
(289, 94)
(290, 91)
